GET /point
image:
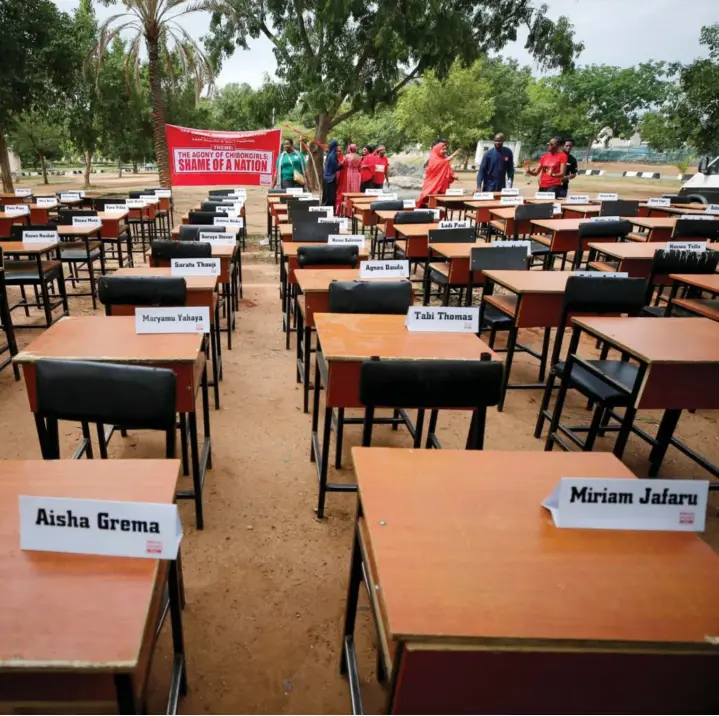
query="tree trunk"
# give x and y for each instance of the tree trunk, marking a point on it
(7, 184)
(322, 130)
(119, 168)
(134, 167)
(589, 148)
(88, 169)
(43, 166)
(158, 111)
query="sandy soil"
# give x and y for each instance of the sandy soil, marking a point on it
(265, 580)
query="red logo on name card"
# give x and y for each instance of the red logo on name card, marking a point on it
(153, 547)
(686, 518)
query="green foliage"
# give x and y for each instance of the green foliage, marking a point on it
(661, 131)
(380, 128)
(510, 87)
(240, 107)
(37, 136)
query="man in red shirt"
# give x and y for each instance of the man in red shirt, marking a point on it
(551, 169)
(381, 171)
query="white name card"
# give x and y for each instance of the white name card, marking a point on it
(510, 192)
(712, 209)
(326, 209)
(483, 196)
(116, 207)
(374, 192)
(23, 192)
(106, 527)
(163, 193)
(294, 190)
(388, 197)
(135, 203)
(599, 219)
(511, 201)
(239, 191)
(384, 269)
(628, 504)
(443, 319)
(217, 238)
(40, 237)
(228, 221)
(195, 267)
(305, 197)
(150, 198)
(578, 199)
(557, 209)
(454, 192)
(354, 239)
(409, 204)
(17, 210)
(80, 194)
(514, 244)
(601, 274)
(659, 201)
(607, 196)
(180, 319)
(683, 217)
(437, 213)
(696, 246)
(86, 221)
(46, 201)
(329, 220)
(459, 224)
(544, 195)
(65, 197)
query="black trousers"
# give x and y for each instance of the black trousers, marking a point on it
(329, 193)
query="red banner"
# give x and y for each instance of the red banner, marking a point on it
(199, 157)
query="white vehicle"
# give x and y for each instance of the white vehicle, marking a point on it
(703, 187)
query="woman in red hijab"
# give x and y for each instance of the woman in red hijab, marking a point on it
(438, 175)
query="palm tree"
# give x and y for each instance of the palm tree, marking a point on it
(166, 42)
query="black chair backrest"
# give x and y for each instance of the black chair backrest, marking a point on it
(206, 218)
(414, 217)
(16, 232)
(311, 232)
(275, 191)
(620, 207)
(308, 217)
(696, 229)
(430, 383)
(677, 261)
(387, 205)
(99, 204)
(452, 236)
(190, 232)
(215, 206)
(224, 192)
(142, 291)
(386, 297)
(499, 258)
(64, 216)
(300, 208)
(347, 255)
(135, 194)
(163, 250)
(604, 229)
(525, 212)
(128, 396)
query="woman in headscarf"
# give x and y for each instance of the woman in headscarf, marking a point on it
(438, 175)
(367, 168)
(350, 178)
(331, 175)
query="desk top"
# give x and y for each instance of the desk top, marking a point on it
(414, 230)
(707, 282)
(463, 548)
(286, 231)
(654, 222)
(319, 280)
(228, 229)
(194, 283)
(583, 208)
(659, 340)
(558, 224)
(692, 206)
(360, 337)
(113, 215)
(477, 204)
(384, 214)
(19, 247)
(506, 212)
(76, 611)
(459, 251)
(67, 230)
(531, 281)
(636, 249)
(110, 338)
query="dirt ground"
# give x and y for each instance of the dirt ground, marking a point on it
(265, 581)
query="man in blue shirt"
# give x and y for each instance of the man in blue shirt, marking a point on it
(496, 170)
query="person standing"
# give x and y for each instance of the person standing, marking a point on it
(350, 177)
(571, 170)
(496, 170)
(290, 167)
(439, 174)
(330, 175)
(552, 167)
(381, 171)
(367, 168)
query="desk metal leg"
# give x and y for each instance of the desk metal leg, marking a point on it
(125, 694)
(664, 436)
(196, 477)
(178, 683)
(307, 345)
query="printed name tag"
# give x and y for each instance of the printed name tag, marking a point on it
(116, 207)
(659, 201)
(69, 197)
(326, 209)
(443, 319)
(557, 209)
(596, 219)
(180, 319)
(17, 209)
(135, 203)
(354, 239)
(388, 197)
(342, 224)
(384, 269)
(509, 192)
(409, 204)
(544, 195)
(23, 192)
(305, 197)
(163, 193)
(295, 191)
(374, 192)
(454, 192)
(86, 221)
(524, 244)
(150, 198)
(577, 199)
(195, 267)
(607, 196)
(380, 168)
(483, 196)
(46, 201)
(683, 217)
(696, 246)
(511, 201)
(601, 274)
(228, 221)
(239, 191)
(712, 209)
(626, 504)
(40, 237)
(117, 529)
(463, 224)
(217, 238)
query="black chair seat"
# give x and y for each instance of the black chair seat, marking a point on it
(592, 386)
(438, 277)
(19, 272)
(494, 318)
(660, 311)
(78, 254)
(538, 248)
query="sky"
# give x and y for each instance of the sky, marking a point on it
(616, 32)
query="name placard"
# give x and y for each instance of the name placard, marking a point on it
(235, 221)
(384, 269)
(454, 192)
(86, 221)
(607, 196)
(217, 238)
(409, 204)
(557, 209)
(522, 244)
(658, 201)
(47, 201)
(696, 246)
(40, 237)
(511, 201)
(78, 193)
(544, 195)
(628, 504)
(326, 209)
(175, 319)
(459, 224)
(135, 203)
(437, 213)
(116, 207)
(305, 197)
(118, 529)
(23, 192)
(509, 192)
(67, 198)
(388, 197)
(577, 199)
(294, 190)
(683, 217)
(443, 319)
(17, 210)
(195, 267)
(374, 192)
(163, 193)
(601, 274)
(150, 198)
(712, 209)
(600, 219)
(353, 239)
(483, 196)
(239, 191)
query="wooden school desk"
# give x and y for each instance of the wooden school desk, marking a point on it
(482, 605)
(113, 339)
(201, 291)
(455, 268)
(709, 308)
(413, 239)
(678, 370)
(563, 238)
(646, 210)
(480, 210)
(344, 341)
(7, 222)
(11, 198)
(503, 220)
(41, 214)
(78, 632)
(658, 228)
(580, 211)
